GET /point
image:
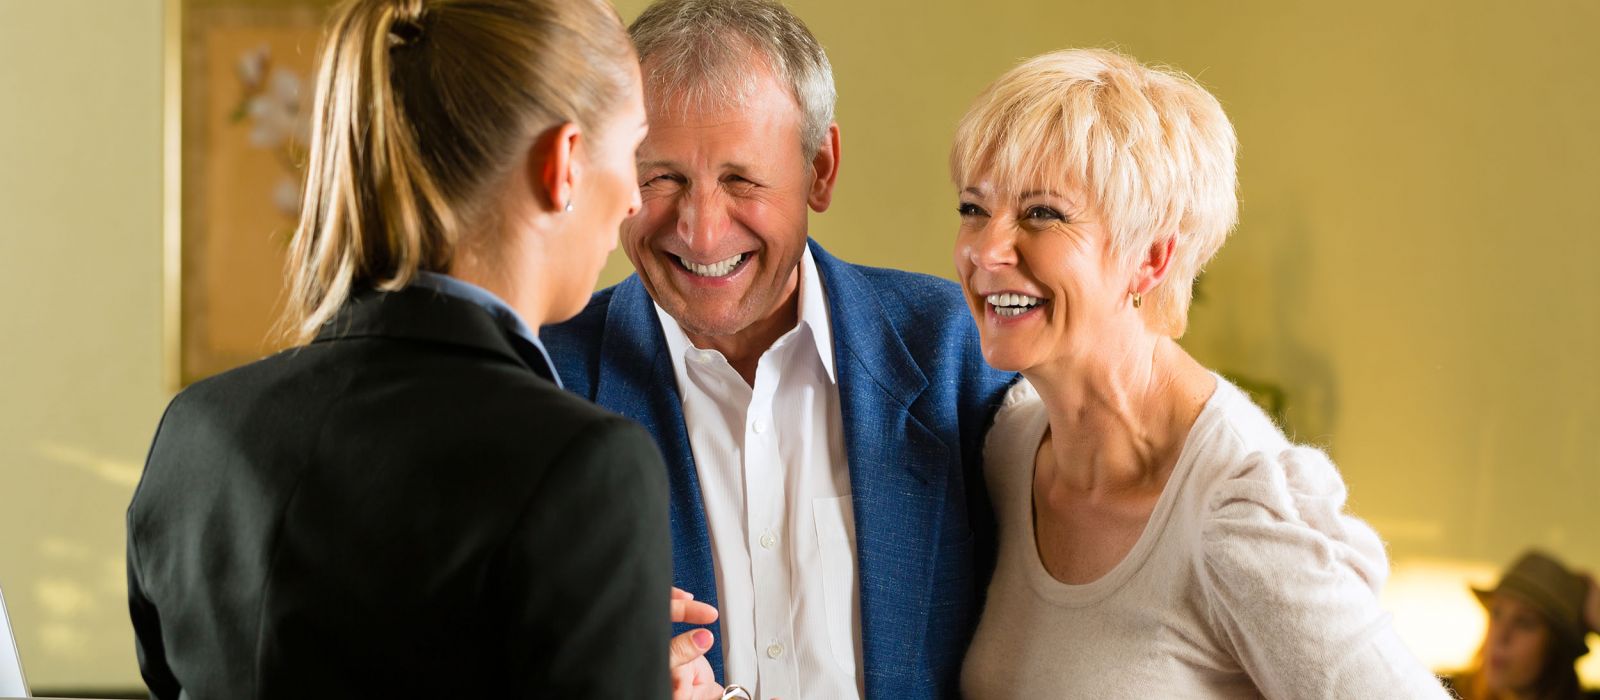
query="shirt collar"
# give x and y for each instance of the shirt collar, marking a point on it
(813, 313)
(506, 317)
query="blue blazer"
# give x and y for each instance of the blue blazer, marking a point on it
(916, 398)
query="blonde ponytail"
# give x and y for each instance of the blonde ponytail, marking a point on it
(420, 105)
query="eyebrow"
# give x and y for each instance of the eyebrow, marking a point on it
(1035, 193)
(1025, 195)
(727, 165)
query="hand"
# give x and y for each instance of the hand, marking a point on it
(1591, 603)
(691, 673)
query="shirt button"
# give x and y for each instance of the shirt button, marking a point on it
(769, 540)
(774, 650)
(760, 426)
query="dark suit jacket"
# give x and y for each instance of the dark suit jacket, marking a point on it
(403, 508)
(916, 398)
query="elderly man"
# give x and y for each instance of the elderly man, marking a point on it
(821, 421)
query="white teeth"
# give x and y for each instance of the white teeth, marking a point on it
(716, 269)
(1012, 304)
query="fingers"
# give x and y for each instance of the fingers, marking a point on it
(680, 594)
(693, 612)
(687, 647)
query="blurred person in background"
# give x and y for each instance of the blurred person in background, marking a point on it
(408, 504)
(1539, 615)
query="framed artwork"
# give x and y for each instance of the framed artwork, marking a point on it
(238, 93)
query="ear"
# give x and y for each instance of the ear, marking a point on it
(825, 170)
(554, 167)
(1154, 264)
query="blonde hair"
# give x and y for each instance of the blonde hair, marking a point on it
(1150, 148)
(699, 54)
(420, 106)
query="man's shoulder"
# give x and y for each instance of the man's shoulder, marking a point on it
(912, 301)
(574, 344)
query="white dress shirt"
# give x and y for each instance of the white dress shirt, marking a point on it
(776, 489)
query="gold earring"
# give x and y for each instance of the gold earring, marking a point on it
(1138, 300)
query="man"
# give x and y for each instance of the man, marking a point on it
(822, 422)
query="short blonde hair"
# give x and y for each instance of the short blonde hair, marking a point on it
(1150, 148)
(420, 107)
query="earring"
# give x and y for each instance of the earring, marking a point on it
(1138, 300)
(568, 208)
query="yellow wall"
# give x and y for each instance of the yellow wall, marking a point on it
(80, 359)
(1413, 266)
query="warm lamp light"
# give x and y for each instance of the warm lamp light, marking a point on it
(1441, 621)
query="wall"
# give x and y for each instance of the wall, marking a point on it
(80, 362)
(1412, 267)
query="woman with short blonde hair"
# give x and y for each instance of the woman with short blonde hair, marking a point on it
(408, 504)
(1159, 536)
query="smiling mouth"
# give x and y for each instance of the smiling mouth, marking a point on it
(1012, 305)
(721, 268)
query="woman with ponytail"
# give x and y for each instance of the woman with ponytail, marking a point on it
(407, 504)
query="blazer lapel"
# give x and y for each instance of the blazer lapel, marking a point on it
(897, 476)
(637, 381)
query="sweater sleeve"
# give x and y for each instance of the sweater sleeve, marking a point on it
(1292, 582)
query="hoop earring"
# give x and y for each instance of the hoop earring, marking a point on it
(1138, 300)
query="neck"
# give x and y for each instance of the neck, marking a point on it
(744, 348)
(526, 298)
(1118, 415)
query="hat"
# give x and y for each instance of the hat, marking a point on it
(1543, 583)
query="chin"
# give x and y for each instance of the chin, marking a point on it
(713, 324)
(1008, 357)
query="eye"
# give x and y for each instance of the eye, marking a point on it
(1041, 213)
(661, 179)
(968, 209)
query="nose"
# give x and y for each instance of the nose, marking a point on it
(702, 219)
(990, 247)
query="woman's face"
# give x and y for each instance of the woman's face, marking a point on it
(1518, 640)
(1039, 275)
(606, 195)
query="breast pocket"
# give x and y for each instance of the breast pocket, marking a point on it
(836, 535)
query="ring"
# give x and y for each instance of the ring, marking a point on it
(734, 692)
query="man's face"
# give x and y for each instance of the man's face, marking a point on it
(725, 193)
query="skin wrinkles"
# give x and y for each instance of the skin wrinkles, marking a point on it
(1128, 395)
(721, 182)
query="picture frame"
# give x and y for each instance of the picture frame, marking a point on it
(238, 85)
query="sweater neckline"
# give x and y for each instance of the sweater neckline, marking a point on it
(1084, 594)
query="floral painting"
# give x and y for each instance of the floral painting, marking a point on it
(245, 101)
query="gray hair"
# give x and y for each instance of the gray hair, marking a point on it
(699, 52)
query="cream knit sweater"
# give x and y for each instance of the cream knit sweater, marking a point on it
(1249, 580)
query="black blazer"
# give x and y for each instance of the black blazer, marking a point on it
(403, 508)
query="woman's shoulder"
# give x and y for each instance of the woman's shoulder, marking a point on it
(1275, 516)
(1259, 487)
